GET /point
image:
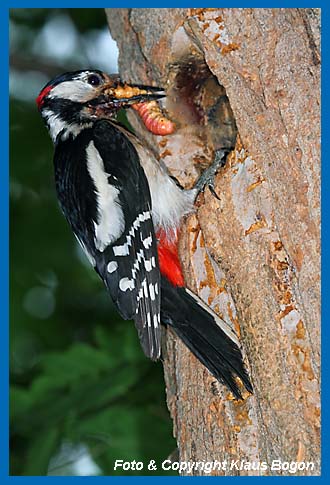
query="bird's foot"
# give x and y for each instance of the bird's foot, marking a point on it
(208, 176)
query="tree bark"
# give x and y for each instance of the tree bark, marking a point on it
(253, 255)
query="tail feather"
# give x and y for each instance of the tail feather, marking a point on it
(205, 334)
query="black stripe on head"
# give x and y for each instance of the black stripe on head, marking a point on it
(69, 76)
(60, 78)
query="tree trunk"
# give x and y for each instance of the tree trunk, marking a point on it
(253, 255)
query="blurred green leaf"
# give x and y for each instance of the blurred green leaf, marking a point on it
(40, 451)
(84, 18)
(78, 373)
(128, 434)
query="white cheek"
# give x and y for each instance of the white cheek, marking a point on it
(76, 90)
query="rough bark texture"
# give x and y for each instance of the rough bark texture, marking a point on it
(253, 255)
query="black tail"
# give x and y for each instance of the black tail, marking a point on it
(208, 337)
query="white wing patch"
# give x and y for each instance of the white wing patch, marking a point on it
(110, 224)
(147, 242)
(122, 250)
(112, 266)
(126, 284)
(152, 291)
(147, 265)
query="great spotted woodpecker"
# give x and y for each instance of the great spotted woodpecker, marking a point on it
(126, 211)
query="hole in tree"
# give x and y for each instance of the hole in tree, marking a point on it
(196, 98)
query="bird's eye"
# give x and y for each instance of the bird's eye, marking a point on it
(94, 80)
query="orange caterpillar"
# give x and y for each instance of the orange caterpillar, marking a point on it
(153, 118)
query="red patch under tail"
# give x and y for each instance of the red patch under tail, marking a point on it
(169, 263)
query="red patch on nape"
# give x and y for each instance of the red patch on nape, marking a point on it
(42, 95)
(169, 263)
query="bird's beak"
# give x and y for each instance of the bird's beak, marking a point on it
(128, 94)
(114, 95)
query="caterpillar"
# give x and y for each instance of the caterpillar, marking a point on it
(153, 118)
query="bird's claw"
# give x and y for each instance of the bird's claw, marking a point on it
(207, 177)
(213, 192)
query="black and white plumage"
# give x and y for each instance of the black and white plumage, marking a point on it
(99, 198)
(125, 210)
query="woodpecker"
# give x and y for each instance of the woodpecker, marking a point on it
(126, 212)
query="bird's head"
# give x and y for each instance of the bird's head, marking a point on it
(73, 100)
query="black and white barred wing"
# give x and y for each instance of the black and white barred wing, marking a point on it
(132, 276)
(126, 256)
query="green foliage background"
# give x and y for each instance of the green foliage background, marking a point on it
(81, 387)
